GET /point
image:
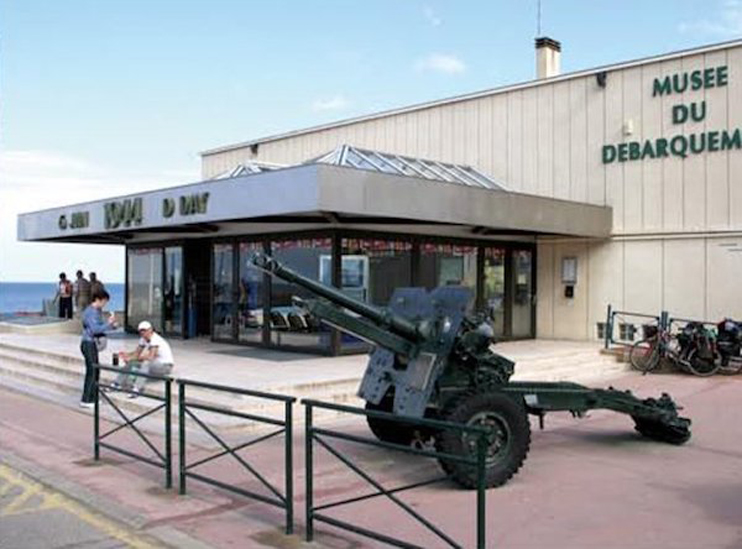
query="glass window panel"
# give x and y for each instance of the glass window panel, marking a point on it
(522, 294)
(371, 270)
(173, 310)
(494, 288)
(289, 325)
(448, 265)
(250, 300)
(223, 302)
(144, 287)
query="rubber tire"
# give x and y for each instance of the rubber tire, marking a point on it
(389, 431)
(511, 411)
(700, 367)
(654, 355)
(732, 367)
(661, 432)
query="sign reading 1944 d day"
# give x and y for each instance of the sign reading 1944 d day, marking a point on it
(123, 212)
(681, 145)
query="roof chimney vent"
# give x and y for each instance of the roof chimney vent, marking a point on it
(548, 57)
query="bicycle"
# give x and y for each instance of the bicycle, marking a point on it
(692, 350)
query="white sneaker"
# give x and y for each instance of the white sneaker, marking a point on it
(134, 394)
(87, 404)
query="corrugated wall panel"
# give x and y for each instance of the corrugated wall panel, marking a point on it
(717, 163)
(734, 113)
(632, 116)
(530, 141)
(614, 134)
(651, 128)
(515, 141)
(561, 141)
(596, 138)
(672, 167)
(578, 144)
(694, 166)
(497, 143)
(545, 158)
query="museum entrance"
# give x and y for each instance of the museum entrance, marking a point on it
(252, 308)
(206, 287)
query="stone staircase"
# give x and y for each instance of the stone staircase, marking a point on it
(58, 378)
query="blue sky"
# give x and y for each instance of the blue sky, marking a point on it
(100, 97)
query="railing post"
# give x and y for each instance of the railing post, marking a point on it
(96, 419)
(168, 436)
(309, 466)
(481, 491)
(608, 328)
(181, 438)
(289, 469)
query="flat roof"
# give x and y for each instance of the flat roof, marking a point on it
(314, 196)
(473, 95)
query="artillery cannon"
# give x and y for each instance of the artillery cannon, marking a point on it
(433, 360)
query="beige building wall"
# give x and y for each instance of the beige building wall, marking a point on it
(677, 228)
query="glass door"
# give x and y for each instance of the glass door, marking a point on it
(522, 292)
(223, 302)
(144, 287)
(250, 304)
(494, 288)
(173, 302)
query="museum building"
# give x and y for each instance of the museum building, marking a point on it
(550, 199)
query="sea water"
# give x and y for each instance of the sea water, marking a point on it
(27, 297)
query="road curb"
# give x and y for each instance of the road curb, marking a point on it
(100, 504)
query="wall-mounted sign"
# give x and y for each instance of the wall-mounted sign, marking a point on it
(77, 220)
(194, 204)
(125, 212)
(189, 204)
(683, 144)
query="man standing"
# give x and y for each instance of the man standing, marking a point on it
(64, 295)
(95, 284)
(93, 326)
(153, 356)
(81, 291)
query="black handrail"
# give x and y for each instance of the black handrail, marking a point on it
(283, 500)
(314, 434)
(164, 457)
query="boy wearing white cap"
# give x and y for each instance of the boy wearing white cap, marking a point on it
(152, 356)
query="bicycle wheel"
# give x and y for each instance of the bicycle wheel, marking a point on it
(732, 366)
(702, 366)
(645, 355)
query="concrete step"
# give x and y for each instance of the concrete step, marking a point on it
(69, 368)
(44, 376)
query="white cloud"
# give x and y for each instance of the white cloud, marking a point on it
(443, 63)
(726, 23)
(432, 17)
(335, 103)
(33, 180)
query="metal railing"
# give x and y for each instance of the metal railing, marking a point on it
(283, 500)
(318, 435)
(162, 459)
(629, 324)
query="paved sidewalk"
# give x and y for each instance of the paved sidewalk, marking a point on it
(586, 483)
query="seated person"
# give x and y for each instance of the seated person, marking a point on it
(152, 356)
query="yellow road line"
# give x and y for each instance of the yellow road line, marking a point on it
(51, 500)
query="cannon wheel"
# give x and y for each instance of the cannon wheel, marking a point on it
(656, 430)
(389, 431)
(508, 444)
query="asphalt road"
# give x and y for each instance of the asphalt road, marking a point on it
(33, 515)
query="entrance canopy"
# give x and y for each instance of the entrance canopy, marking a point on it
(348, 187)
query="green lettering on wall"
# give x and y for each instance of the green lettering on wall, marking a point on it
(662, 87)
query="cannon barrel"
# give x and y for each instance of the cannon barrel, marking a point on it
(377, 315)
